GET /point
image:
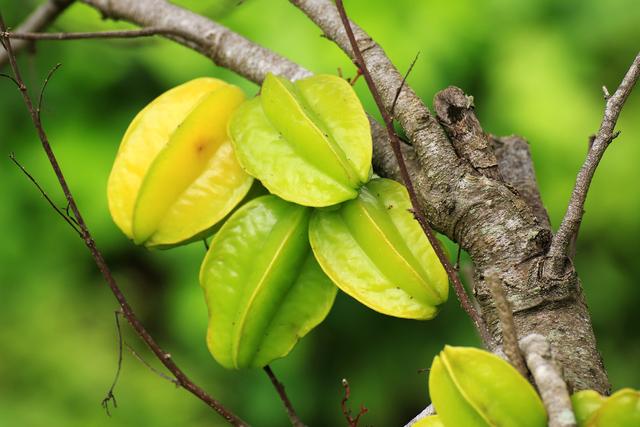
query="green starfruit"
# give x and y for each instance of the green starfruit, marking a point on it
(621, 409)
(175, 174)
(375, 251)
(262, 284)
(474, 388)
(309, 142)
(585, 404)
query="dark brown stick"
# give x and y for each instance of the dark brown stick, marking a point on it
(561, 243)
(464, 299)
(131, 317)
(116, 34)
(291, 413)
(39, 19)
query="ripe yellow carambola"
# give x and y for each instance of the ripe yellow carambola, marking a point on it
(175, 174)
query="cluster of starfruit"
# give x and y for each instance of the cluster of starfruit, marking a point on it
(186, 165)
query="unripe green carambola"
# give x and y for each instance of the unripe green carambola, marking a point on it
(621, 409)
(474, 388)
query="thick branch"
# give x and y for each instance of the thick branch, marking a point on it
(86, 236)
(516, 168)
(551, 386)
(573, 217)
(38, 20)
(456, 113)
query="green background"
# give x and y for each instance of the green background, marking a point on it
(535, 68)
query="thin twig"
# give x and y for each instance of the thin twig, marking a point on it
(560, 246)
(113, 34)
(507, 325)
(162, 375)
(404, 80)
(551, 386)
(127, 311)
(110, 397)
(44, 86)
(464, 299)
(69, 220)
(291, 413)
(39, 19)
(351, 421)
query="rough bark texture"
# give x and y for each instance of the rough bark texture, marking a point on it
(494, 224)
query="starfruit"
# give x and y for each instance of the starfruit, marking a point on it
(474, 388)
(309, 142)
(263, 287)
(621, 409)
(175, 174)
(375, 251)
(430, 421)
(585, 403)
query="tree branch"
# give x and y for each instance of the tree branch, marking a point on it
(507, 325)
(291, 413)
(516, 168)
(456, 113)
(551, 386)
(38, 20)
(561, 243)
(86, 236)
(116, 34)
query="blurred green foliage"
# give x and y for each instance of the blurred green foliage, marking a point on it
(535, 68)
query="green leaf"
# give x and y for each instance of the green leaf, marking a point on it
(474, 388)
(375, 251)
(309, 142)
(263, 287)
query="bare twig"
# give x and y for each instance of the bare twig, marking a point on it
(69, 220)
(162, 375)
(351, 421)
(561, 243)
(464, 299)
(44, 87)
(114, 34)
(551, 386)
(291, 413)
(404, 80)
(507, 325)
(127, 311)
(110, 397)
(39, 19)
